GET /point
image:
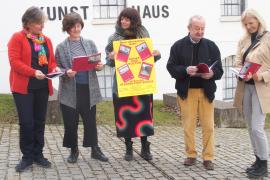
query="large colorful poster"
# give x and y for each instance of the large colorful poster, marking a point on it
(135, 67)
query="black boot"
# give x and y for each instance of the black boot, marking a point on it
(98, 154)
(42, 161)
(23, 165)
(260, 171)
(129, 151)
(73, 157)
(254, 165)
(145, 151)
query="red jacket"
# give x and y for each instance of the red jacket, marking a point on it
(19, 54)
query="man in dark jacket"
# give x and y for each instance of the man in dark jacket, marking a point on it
(196, 89)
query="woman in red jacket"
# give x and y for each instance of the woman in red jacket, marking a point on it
(31, 57)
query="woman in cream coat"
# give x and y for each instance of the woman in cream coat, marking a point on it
(253, 92)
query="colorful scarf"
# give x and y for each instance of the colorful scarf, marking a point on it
(39, 47)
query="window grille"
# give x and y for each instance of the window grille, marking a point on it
(108, 9)
(229, 79)
(105, 79)
(232, 7)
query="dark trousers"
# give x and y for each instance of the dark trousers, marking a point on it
(71, 120)
(32, 108)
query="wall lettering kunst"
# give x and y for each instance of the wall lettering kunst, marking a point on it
(58, 12)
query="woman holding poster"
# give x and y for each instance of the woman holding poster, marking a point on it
(253, 92)
(133, 114)
(78, 89)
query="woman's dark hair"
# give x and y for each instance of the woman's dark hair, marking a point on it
(70, 20)
(33, 15)
(133, 15)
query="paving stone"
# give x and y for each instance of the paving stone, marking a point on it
(233, 155)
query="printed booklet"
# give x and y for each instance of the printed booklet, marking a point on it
(143, 51)
(54, 74)
(249, 67)
(125, 73)
(146, 70)
(86, 63)
(204, 68)
(123, 53)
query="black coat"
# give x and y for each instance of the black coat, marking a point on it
(181, 55)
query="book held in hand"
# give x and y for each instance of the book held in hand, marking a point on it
(248, 67)
(204, 68)
(86, 63)
(54, 74)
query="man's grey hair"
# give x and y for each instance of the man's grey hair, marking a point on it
(199, 17)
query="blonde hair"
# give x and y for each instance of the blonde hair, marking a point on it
(254, 14)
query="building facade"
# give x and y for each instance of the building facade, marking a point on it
(166, 21)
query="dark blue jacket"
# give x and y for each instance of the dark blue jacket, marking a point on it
(181, 56)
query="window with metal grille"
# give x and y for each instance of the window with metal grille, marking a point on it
(229, 79)
(105, 79)
(232, 7)
(108, 9)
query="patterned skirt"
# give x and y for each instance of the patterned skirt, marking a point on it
(133, 115)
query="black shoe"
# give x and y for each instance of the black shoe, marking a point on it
(260, 171)
(145, 151)
(73, 157)
(23, 165)
(97, 154)
(129, 151)
(42, 161)
(254, 165)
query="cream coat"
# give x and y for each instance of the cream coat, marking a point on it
(260, 53)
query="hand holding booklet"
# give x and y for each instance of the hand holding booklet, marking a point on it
(248, 67)
(54, 74)
(86, 63)
(204, 68)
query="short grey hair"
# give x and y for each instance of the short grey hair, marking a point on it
(33, 15)
(199, 17)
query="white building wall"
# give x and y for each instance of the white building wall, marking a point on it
(164, 30)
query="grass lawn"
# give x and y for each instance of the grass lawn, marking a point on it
(105, 115)
(8, 113)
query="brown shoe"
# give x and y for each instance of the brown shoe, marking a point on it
(189, 161)
(208, 165)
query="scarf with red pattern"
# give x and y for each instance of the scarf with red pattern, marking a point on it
(39, 47)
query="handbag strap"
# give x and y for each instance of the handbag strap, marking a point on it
(258, 38)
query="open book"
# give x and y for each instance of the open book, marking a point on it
(86, 63)
(204, 68)
(54, 74)
(248, 67)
